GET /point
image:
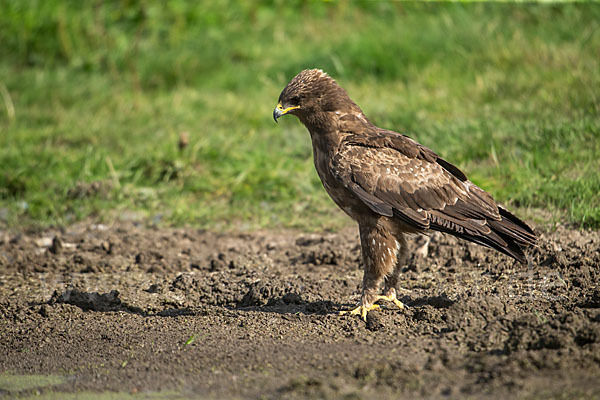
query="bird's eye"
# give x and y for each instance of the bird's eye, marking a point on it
(295, 100)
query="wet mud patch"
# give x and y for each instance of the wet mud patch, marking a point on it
(116, 307)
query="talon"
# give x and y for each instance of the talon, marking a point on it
(393, 299)
(361, 310)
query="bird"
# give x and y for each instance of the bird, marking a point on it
(392, 186)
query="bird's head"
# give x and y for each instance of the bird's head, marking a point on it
(311, 93)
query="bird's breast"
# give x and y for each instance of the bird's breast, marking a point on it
(343, 197)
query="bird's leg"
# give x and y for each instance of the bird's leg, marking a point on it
(371, 284)
(391, 280)
(379, 253)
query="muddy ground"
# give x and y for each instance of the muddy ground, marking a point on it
(192, 313)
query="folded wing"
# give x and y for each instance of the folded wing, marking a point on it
(397, 177)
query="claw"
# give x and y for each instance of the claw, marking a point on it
(393, 299)
(361, 310)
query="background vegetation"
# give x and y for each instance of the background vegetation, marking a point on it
(95, 96)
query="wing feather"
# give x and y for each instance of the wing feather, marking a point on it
(394, 175)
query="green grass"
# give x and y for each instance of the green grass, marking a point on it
(40, 387)
(17, 383)
(101, 93)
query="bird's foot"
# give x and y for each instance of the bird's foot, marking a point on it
(361, 310)
(392, 297)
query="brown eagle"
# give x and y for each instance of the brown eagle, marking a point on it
(391, 185)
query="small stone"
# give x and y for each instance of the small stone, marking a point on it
(56, 246)
(292, 298)
(154, 288)
(44, 242)
(374, 322)
(43, 311)
(320, 307)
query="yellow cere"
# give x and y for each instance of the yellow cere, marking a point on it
(287, 110)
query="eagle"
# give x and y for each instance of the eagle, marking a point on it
(392, 186)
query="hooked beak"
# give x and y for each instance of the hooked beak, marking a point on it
(280, 111)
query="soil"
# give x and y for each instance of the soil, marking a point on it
(139, 309)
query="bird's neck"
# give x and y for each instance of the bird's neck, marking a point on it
(325, 142)
(317, 122)
(323, 128)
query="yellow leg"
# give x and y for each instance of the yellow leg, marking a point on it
(361, 310)
(393, 299)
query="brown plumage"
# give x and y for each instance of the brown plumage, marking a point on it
(391, 185)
